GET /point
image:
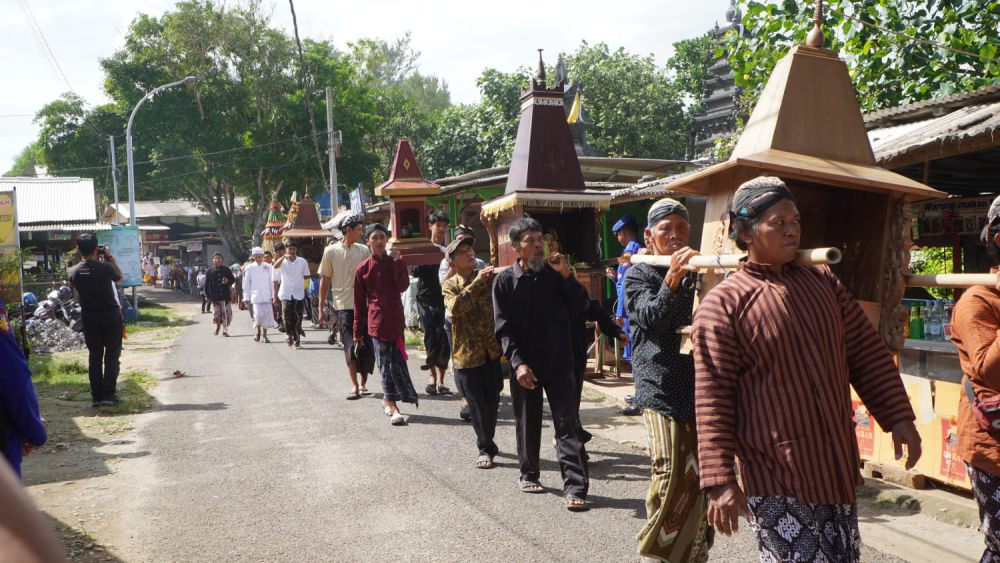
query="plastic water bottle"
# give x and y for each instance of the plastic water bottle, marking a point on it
(931, 327)
(948, 307)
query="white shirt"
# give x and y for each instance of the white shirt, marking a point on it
(292, 276)
(257, 286)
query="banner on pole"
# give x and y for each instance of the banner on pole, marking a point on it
(357, 200)
(123, 242)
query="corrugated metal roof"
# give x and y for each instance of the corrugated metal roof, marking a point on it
(168, 208)
(981, 95)
(955, 126)
(64, 227)
(52, 199)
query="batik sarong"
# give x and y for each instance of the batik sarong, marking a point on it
(436, 341)
(676, 507)
(396, 383)
(790, 530)
(222, 313)
(986, 487)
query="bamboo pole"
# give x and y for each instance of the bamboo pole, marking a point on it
(951, 280)
(810, 256)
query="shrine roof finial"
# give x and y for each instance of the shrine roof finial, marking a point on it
(540, 74)
(815, 38)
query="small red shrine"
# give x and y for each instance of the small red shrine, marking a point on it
(408, 192)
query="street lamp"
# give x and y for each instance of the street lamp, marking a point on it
(128, 142)
(128, 155)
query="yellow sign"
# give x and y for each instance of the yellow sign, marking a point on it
(10, 261)
(8, 229)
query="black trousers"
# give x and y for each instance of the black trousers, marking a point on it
(481, 386)
(292, 311)
(584, 435)
(104, 343)
(560, 388)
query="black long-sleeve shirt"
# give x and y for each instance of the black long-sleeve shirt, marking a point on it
(214, 288)
(533, 315)
(604, 321)
(664, 378)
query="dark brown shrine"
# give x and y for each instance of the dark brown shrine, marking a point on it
(408, 192)
(546, 183)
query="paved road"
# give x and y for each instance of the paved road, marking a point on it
(256, 456)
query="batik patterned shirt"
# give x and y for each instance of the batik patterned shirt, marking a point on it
(470, 302)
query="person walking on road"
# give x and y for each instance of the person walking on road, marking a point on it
(975, 328)
(777, 347)
(258, 293)
(219, 282)
(535, 301)
(475, 352)
(378, 312)
(337, 268)
(22, 428)
(292, 273)
(430, 307)
(279, 251)
(658, 303)
(206, 303)
(94, 281)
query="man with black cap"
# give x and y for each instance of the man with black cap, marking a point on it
(430, 306)
(535, 302)
(777, 347)
(475, 352)
(94, 281)
(626, 230)
(340, 261)
(219, 283)
(379, 282)
(445, 272)
(658, 303)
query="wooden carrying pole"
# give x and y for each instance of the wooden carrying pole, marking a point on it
(951, 280)
(806, 257)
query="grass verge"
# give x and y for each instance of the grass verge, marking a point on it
(153, 316)
(67, 380)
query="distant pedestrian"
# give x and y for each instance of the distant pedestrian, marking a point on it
(975, 329)
(337, 274)
(626, 230)
(257, 292)
(219, 282)
(378, 312)
(94, 281)
(534, 302)
(22, 428)
(279, 251)
(206, 303)
(475, 352)
(777, 348)
(292, 272)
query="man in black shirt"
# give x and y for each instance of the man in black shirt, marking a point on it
(219, 281)
(535, 303)
(658, 303)
(430, 306)
(94, 281)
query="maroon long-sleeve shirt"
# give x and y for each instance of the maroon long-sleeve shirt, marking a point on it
(379, 282)
(775, 356)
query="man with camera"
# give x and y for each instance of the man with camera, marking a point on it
(94, 281)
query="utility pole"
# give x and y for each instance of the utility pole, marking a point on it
(331, 149)
(114, 176)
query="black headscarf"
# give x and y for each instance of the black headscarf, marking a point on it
(664, 208)
(756, 196)
(375, 227)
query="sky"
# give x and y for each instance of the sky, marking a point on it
(457, 39)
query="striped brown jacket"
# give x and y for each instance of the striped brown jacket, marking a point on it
(775, 354)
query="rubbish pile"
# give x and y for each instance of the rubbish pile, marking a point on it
(51, 335)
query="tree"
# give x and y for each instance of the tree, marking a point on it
(26, 160)
(898, 51)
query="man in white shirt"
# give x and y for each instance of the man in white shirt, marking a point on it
(340, 261)
(279, 251)
(258, 292)
(292, 271)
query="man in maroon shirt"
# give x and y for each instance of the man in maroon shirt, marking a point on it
(777, 347)
(378, 312)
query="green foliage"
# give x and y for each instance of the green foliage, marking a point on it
(897, 64)
(933, 260)
(25, 161)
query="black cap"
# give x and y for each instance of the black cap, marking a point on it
(459, 241)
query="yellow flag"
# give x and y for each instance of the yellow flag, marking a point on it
(574, 112)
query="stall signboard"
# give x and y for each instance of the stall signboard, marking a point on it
(123, 242)
(10, 262)
(864, 430)
(952, 216)
(194, 246)
(156, 236)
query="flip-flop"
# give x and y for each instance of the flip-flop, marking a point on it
(365, 391)
(353, 395)
(530, 486)
(442, 390)
(397, 420)
(431, 389)
(484, 462)
(387, 411)
(576, 504)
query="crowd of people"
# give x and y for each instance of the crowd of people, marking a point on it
(755, 423)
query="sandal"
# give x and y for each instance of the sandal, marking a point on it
(267, 340)
(397, 420)
(353, 395)
(365, 391)
(576, 504)
(431, 389)
(484, 462)
(442, 390)
(530, 486)
(387, 411)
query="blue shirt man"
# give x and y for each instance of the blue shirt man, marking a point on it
(627, 232)
(23, 429)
